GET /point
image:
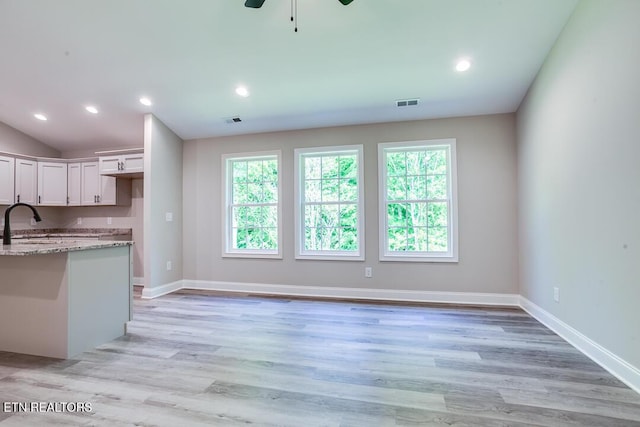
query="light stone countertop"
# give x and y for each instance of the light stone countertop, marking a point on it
(23, 247)
(95, 233)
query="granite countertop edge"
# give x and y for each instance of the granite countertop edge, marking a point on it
(68, 232)
(24, 248)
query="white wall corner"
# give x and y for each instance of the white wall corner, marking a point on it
(619, 368)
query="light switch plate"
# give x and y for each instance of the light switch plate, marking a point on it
(169, 216)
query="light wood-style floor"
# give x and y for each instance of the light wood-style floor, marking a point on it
(195, 359)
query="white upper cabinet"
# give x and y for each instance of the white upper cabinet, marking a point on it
(7, 180)
(103, 190)
(26, 181)
(74, 184)
(52, 184)
(126, 165)
(90, 184)
(62, 182)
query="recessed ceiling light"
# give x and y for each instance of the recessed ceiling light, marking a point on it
(463, 65)
(91, 109)
(40, 117)
(145, 101)
(242, 91)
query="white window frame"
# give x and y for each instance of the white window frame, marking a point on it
(227, 220)
(301, 253)
(452, 183)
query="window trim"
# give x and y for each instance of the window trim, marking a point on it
(452, 180)
(358, 150)
(227, 187)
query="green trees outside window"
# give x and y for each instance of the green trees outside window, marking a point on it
(417, 199)
(329, 201)
(253, 209)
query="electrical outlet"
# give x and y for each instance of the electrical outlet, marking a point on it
(368, 272)
(556, 294)
(169, 266)
(168, 216)
(109, 220)
(79, 222)
(33, 221)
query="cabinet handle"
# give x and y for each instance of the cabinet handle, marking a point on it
(98, 198)
(39, 199)
(95, 199)
(18, 198)
(67, 199)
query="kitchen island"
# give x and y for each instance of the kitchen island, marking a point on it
(61, 297)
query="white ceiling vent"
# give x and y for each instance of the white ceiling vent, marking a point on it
(407, 102)
(234, 119)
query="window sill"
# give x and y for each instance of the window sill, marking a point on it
(251, 255)
(419, 258)
(327, 257)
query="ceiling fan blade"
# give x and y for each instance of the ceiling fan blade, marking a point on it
(345, 2)
(256, 3)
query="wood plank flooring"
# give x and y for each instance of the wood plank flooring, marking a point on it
(202, 359)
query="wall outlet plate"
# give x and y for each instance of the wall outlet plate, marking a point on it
(556, 294)
(79, 221)
(109, 220)
(368, 272)
(168, 216)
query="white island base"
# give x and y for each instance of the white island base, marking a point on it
(61, 304)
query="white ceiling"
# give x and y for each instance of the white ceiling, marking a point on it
(345, 65)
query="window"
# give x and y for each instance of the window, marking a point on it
(252, 214)
(329, 192)
(418, 208)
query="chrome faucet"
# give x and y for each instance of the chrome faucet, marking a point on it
(6, 236)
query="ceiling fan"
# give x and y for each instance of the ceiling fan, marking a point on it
(258, 3)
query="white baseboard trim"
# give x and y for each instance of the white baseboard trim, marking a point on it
(618, 367)
(150, 293)
(357, 293)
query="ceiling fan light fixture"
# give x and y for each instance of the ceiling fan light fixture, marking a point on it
(345, 2)
(256, 4)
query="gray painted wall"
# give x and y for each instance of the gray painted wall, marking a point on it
(14, 141)
(486, 198)
(162, 194)
(579, 198)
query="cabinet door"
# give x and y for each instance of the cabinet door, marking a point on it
(90, 184)
(107, 190)
(110, 164)
(74, 181)
(7, 183)
(26, 181)
(133, 162)
(52, 184)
